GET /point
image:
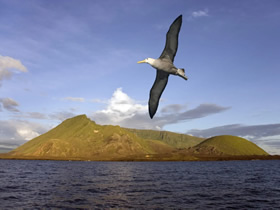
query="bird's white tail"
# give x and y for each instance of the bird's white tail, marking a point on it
(181, 73)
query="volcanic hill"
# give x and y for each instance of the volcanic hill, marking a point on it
(229, 146)
(79, 138)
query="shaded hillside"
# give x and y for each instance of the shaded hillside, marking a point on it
(173, 139)
(228, 145)
(81, 137)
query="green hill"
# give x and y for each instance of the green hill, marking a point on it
(228, 145)
(173, 139)
(79, 138)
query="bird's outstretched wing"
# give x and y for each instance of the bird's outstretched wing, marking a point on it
(171, 43)
(156, 91)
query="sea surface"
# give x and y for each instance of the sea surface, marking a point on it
(37, 184)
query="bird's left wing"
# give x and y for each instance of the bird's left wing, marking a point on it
(171, 43)
(156, 91)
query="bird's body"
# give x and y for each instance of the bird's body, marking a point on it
(164, 65)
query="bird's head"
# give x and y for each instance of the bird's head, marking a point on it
(147, 60)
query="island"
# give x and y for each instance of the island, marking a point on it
(80, 138)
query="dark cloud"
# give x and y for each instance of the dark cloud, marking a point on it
(142, 120)
(8, 65)
(4, 74)
(202, 110)
(257, 131)
(172, 108)
(124, 111)
(9, 104)
(265, 136)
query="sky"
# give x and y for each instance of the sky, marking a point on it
(59, 59)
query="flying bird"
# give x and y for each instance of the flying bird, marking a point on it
(164, 65)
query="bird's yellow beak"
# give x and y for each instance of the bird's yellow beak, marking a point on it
(143, 61)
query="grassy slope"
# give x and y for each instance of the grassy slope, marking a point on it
(81, 137)
(69, 130)
(232, 145)
(173, 139)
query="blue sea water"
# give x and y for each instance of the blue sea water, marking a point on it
(34, 184)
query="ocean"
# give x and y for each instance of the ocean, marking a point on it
(37, 184)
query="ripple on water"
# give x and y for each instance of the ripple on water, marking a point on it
(104, 185)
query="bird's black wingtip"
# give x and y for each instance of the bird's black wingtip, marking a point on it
(151, 114)
(178, 18)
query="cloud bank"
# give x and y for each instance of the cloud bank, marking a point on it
(266, 136)
(125, 111)
(14, 130)
(257, 131)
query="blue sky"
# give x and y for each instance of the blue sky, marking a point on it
(63, 58)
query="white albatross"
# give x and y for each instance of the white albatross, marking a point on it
(164, 65)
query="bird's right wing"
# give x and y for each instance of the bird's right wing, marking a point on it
(171, 43)
(156, 91)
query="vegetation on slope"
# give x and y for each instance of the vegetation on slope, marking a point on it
(175, 140)
(229, 145)
(81, 137)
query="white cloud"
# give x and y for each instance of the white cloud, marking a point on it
(7, 65)
(120, 107)
(9, 104)
(7, 62)
(75, 99)
(15, 130)
(125, 111)
(200, 13)
(27, 133)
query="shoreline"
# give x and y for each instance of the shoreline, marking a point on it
(144, 159)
